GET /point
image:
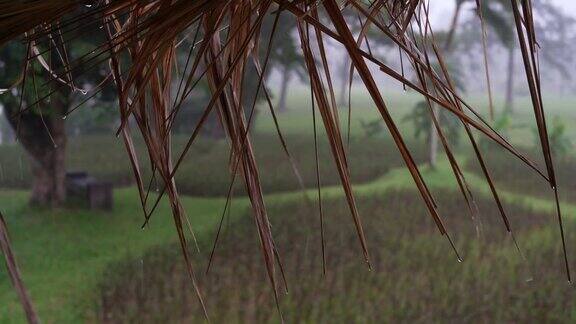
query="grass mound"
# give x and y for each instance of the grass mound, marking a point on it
(510, 173)
(416, 276)
(205, 171)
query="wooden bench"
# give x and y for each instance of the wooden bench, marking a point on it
(96, 194)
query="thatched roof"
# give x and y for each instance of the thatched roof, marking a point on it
(143, 37)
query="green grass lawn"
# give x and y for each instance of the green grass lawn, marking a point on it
(64, 253)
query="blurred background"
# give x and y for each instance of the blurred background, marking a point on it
(67, 191)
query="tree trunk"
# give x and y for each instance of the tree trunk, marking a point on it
(44, 139)
(6, 133)
(48, 168)
(344, 82)
(433, 140)
(509, 103)
(433, 134)
(284, 90)
(452, 30)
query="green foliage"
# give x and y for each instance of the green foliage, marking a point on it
(560, 142)
(421, 114)
(53, 99)
(498, 16)
(93, 119)
(11, 63)
(502, 125)
(372, 128)
(422, 122)
(285, 53)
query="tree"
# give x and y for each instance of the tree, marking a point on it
(423, 123)
(447, 46)
(497, 16)
(285, 56)
(38, 110)
(555, 34)
(41, 131)
(345, 71)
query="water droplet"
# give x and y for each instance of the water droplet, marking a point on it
(64, 117)
(459, 260)
(55, 146)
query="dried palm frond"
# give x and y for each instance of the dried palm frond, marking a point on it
(14, 273)
(143, 37)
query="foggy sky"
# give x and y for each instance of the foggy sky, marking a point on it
(440, 9)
